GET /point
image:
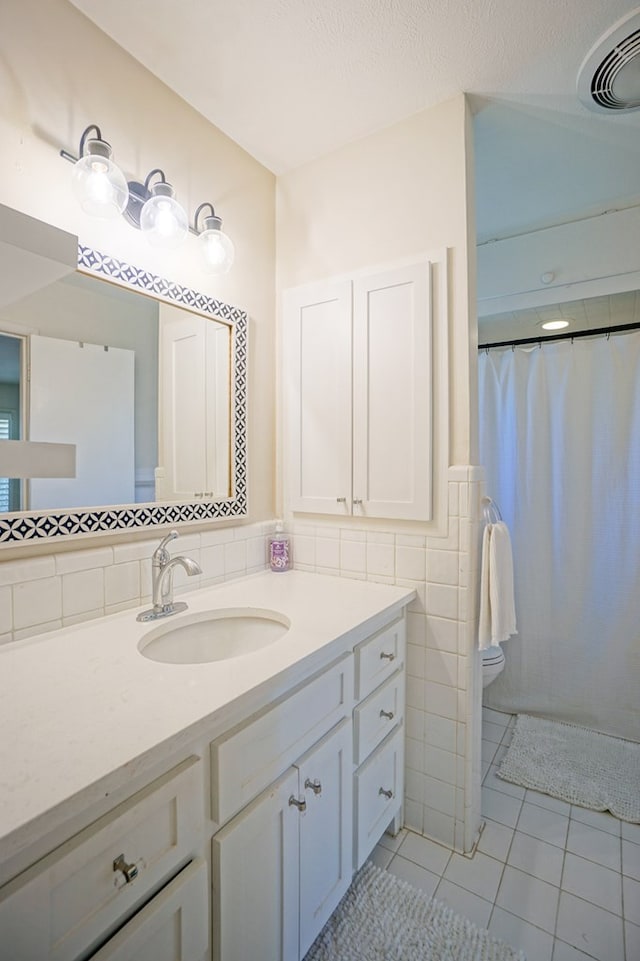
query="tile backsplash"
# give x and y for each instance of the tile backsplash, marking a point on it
(44, 593)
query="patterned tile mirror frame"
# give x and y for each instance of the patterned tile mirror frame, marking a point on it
(41, 525)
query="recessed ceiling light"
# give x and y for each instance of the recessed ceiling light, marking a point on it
(555, 324)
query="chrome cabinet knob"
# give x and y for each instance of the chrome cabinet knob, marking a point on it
(388, 657)
(299, 803)
(387, 794)
(388, 714)
(314, 785)
(130, 871)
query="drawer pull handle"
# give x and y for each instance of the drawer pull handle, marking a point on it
(299, 803)
(358, 501)
(130, 871)
(388, 714)
(341, 500)
(387, 657)
(387, 794)
(315, 785)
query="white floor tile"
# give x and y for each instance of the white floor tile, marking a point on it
(631, 832)
(536, 943)
(631, 895)
(434, 857)
(632, 940)
(495, 840)
(593, 844)
(565, 952)
(381, 857)
(544, 825)
(463, 902)
(500, 807)
(601, 820)
(592, 930)
(548, 802)
(499, 784)
(631, 860)
(492, 732)
(542, 860)
(529, 898)
(391, 842)
(495, 717)
(480, 874)
(489, 750)
(593, 882)
(414, 874)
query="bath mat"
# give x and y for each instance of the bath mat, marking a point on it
(382, 918)
(575, 764)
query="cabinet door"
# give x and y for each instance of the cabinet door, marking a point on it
(317, 397)
(392, 385)
(255, 879)
(326, 843)
(173, 926)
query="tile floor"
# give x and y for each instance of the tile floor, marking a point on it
(558, 881)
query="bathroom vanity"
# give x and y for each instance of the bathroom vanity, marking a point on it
(153, 808)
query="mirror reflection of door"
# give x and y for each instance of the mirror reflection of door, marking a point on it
(11, 411)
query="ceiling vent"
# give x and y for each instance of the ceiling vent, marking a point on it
(609, 78)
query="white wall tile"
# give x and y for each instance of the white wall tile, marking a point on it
(410, 563)
(415, 661)
(442, 667)
(6, 611)
(440, 732)
(122, 583)
(82, 591)
(415, 693)
(439, 795)
(440, 764)
(37, 602)
(443, 567)
(442, 634)
(440, 699)
(439, 826)
(328, 553)
(83, 560)
(413, 814)
(380, 558)
(212, 561)
(17, 572)
(235, 557)
(442, 600)
(353, 556)
(21, 635)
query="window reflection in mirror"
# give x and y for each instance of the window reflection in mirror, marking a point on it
(147, 425)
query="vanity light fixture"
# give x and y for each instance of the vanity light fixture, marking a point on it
(98, 182)
(216, 247)
(103, 191)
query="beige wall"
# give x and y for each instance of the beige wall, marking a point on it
(58, 74)
(397, 193)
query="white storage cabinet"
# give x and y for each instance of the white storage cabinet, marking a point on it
(358, 395)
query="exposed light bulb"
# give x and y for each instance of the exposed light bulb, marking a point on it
(162, 220)
(99, 185)
(216, 247)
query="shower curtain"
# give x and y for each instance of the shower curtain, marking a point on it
(560, 442)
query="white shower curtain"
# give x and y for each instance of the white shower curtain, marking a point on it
(560, 442)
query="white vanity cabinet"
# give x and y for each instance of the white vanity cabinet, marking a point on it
(68, 904)
(281, 866)
(357, 380)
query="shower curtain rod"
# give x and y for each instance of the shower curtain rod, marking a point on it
(594, 332)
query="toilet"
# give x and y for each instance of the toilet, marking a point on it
(492, 664)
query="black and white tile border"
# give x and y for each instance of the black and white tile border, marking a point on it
(19, 527)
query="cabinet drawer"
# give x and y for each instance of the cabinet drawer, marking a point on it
(248, 759)
(75, 896)
(378, 794)
(376, 716)
(173, 926)
(378, 657)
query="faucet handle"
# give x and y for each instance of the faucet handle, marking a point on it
(161, 553)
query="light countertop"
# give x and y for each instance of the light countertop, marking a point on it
(81, 707)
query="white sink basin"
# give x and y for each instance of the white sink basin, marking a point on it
(213, 635)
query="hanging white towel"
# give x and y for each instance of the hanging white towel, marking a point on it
(497, 607)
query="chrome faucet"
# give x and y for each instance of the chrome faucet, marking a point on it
(162, 567)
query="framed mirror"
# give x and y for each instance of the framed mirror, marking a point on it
(147, 378)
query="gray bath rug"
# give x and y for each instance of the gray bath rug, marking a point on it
(382, 918)
(575, 764)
